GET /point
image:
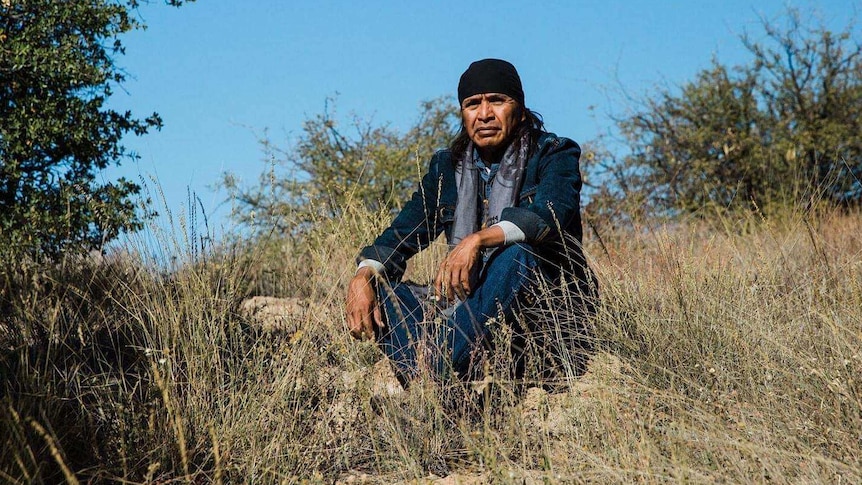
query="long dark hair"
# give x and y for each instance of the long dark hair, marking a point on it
(532, 123)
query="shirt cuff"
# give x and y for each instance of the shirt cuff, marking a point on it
(511, 232)
(377, 266)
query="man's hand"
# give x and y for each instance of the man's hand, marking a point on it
(363, 313)
(457, 276)
(454, 276)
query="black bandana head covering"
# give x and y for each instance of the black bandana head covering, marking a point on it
(491, 76)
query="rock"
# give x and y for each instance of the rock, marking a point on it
(348, 391)
(354, 476)
(462, 479)
(270, 314)
(384, 382)
(558, 414)
(380, 379)
(524, 477)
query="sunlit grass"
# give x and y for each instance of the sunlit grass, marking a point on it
(721, 356)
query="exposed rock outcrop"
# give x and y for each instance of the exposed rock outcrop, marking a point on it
(270, 314)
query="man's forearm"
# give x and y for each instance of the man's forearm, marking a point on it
(490, 237)
(501, 234)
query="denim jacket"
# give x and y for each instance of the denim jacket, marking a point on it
(548, 203)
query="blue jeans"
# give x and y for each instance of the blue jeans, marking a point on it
(450, 345)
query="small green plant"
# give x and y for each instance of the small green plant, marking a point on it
(57, 71)
(776, 132)
(330, 167)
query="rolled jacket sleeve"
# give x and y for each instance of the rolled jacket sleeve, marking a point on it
(375, 265)
(511, 232)
(552, 204)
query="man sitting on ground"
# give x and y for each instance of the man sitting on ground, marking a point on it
(506, 194)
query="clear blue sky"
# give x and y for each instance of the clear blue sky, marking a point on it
(221, 71)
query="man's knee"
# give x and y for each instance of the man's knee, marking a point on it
(517, 257)
(523, 250)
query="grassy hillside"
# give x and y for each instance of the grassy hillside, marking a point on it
(722, 356)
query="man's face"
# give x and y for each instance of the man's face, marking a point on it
(490, 120)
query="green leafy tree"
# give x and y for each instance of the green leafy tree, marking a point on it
(327, 168)
(57, 70)
(783, 129)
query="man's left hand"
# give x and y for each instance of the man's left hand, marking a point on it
(457, 275)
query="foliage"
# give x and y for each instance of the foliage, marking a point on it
(57, 70)
(377, 167)
(781, 129)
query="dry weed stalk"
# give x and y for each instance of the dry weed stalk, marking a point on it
(721, 356)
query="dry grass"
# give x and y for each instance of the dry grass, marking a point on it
(722, 357)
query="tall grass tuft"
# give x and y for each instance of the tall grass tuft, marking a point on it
(720, 355)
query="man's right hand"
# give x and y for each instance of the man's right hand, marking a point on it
(363, 313)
